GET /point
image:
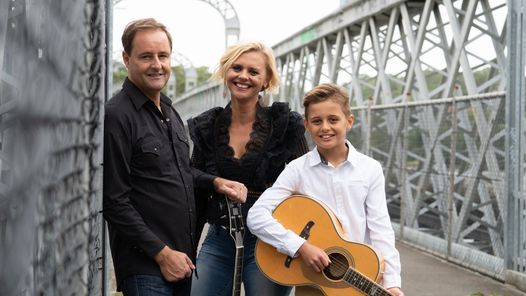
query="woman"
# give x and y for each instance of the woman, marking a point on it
(248, 143)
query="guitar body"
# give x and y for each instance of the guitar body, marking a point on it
(353, 264)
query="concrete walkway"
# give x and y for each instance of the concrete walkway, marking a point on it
(427, 275)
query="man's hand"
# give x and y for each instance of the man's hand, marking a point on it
(314, 257)
(396, 291)
(174, 265)
(235, 191)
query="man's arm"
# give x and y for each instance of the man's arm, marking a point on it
(117, 207)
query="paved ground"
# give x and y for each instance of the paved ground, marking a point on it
(427, 275)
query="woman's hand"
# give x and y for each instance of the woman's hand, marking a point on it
(235, 191)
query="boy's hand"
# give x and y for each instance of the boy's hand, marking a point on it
(235, 191)
(396, 291)
(314, 257)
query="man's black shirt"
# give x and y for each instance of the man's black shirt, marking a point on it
(148, 197)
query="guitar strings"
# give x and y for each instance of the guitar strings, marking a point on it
(342, 264)
(339, 263)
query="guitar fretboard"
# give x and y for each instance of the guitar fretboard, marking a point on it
(237, 231)
(238, 271)
(362, 283)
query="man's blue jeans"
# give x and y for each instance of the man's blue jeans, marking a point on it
(215, 267)
(148, 285)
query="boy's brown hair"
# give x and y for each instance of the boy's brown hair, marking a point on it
(324, 92)
(139, 25)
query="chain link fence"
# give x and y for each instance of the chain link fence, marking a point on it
(444, 163)
(51, 95)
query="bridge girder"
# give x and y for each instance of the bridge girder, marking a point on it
(404, 63)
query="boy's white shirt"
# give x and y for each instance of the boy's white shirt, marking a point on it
(354, 191)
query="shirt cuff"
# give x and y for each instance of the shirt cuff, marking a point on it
(391, 281)
(206, 182)
(292, 245)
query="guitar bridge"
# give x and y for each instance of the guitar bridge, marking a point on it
(305, 233)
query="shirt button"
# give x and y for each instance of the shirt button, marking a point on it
(167, 119)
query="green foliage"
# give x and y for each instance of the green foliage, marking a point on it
(202, 75)
(178, 72)
(119, 73)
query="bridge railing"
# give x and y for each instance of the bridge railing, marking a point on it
(444, 164)
(413, 63)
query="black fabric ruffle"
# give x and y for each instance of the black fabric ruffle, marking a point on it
(273, 142)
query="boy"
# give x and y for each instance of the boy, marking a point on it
(349, 182)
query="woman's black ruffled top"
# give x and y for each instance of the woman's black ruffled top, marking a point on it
(278, 136)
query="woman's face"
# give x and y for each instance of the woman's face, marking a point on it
(247, 76)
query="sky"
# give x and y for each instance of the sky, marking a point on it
(198, 29)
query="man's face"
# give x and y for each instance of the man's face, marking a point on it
(149, 61)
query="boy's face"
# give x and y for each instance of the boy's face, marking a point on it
(328, 126)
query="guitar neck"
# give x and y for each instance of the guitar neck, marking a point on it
(238, 271)
(237, 231)
(364, 284)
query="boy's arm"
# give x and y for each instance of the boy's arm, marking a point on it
(260, 220)
(380, 229)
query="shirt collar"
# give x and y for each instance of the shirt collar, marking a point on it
(317, 159)
(138, 98)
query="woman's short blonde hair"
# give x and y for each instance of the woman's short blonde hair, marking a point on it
(233, 52)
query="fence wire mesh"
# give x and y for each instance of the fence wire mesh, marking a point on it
(52, 87)
(444, 166)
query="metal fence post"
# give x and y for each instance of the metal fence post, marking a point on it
(514, 237)
(452, 158)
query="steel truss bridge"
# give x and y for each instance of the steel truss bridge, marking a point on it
(431, 89)
(438, 91)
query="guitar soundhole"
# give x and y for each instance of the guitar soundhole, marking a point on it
(339, 265)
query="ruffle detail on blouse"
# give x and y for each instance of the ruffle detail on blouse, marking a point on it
(273, 142)
(287, 128)
(201, 130)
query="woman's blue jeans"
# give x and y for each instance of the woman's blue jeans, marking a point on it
(215, 267)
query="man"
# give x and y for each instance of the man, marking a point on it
(148, 196)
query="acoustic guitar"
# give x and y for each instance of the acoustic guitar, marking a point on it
(355, 268)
